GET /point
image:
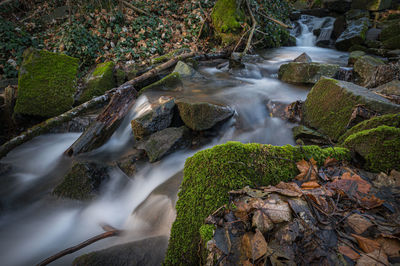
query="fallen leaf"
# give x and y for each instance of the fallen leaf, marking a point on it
(366, 244)
(287, 189)
(349, 252)
(350, 185)
(358, 223)
(371, 202)
(254, 245)
(363, 186)
(375, 258)
(262, 222)
(390, 246)
(330, 161)
(277, 212)
(242, 210)
(310, 185)
(306, 171)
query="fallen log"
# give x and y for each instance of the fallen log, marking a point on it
(109, 232)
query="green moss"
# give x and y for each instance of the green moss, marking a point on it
(379, 147)
(390, 32)
(392, 120)
(298, 72)
(211, 173)
(120, 77)
(226, 17)
(392, 43)
(99, 81)
(167, 56)
(46, 83)
(169, 81)
(206, 232)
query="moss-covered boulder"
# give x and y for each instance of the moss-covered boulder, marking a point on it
(169, 82)
(83, 181)
(365, 67)
(390, 31)
(226, 17)
(98, 81)
(390, 88)
(371, 5)
(309, 136)
(200, 116)
(378, 147)
(391, 120)
(211, 173)
(354, 34)
(310, 73)
(330, 103)
(186, 71)
(303, 58)
(46, 83)
(165, 142)
(157, 118)
(354, 56)
(392, 43)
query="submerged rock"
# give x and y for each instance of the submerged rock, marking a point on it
(165, 141)
(330, 104)
(371, 5)
(128, 163)
(148, 251)
(200, 116)
(83, 181)
(156, 119)
(46, 83)
(365, 68)
(303, 58)
(98, 81)
(354, 34)
(306, 72)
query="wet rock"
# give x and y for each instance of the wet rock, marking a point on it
(165, 141)
(306, 72)
(354, 34)
(373, 34)
(378, 149)
(46, 84)
(365, 68)
(354, 56)
(338, 27)
(390, 88)
(340, 6)
(354, 14)
(303, 58)
(83, 181)
(390, 31)
(345, 74)
(5, 168)
(186, 71)
(200, 116)
(331, 102)
(77, 124)
(381, 52)
(128, 163)
(98, 81)
(392, 43)
(309, 136)
(371, 5)
(316, 12)
(169, 82)
(295, 15)
(149, 251)
(373, 43)
(158, 118)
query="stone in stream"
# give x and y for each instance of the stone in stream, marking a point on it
(303, 58)
(127, 164)
(354, 56)
(200, 116)
(309, 136)
(390, 36)
(148, 251)
(186, 71)
(354, 14)
(165, 141)
(98, 81)
(308, 73)
(339, 6)
(353, 34)
(365, 68)
(46, 83)
(83, 181)
(338, 27)
(390, 88)
(371, 5)
(157, 118)
(330, 105)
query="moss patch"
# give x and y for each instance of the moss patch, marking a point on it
(206, 232)
(297, 72)
(46, 83)
(211, 173)
(379, 147)
(169, 81)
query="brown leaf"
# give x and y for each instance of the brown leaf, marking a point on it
(310, 185)
(306, 171)
(287, 189)
(363, 186)
(371, 202)
(349, 252)
(277, 212)
(375, 258)
(358, 223)
(330, 162)
(366, 244)
(390, 246)
(242, 210)
(253, 245)
(262, 222)
(350, 185)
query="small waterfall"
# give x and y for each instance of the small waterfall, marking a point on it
(312, 31)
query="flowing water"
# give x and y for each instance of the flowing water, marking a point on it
(34, 225)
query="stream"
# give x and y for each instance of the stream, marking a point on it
(35, 225)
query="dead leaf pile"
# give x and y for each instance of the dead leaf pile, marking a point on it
(334, 215)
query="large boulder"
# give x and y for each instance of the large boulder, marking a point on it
(171, 82)
(46, 83)
(186, 71)
(306, 72)
(83, 181)
(148, 251)
(165, 141)
(330, 104)
(392, 43)
(365, 68)
(354, 34)
(390, 88)
(379, 148)
(210, 174)
(354, 56)
(371, 5)
(390, 31)
(200, 116)
(157, 118)
(98, 81)
(303, 58)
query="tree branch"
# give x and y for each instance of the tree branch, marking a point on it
(138, 10)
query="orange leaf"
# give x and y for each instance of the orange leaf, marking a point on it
(330, 161)
(366, 244)
(306, 171)
(371, 202)
(349, 252)
(310, 185)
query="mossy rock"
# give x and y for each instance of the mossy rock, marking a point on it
(379, 147)
(226, 17)
(353, 14)
(390, 88)
(210, 174)
(46, 83)
(354, 56)
(307, 73)
(365, 67)
(171, 81)
(83, 181)
(98, 81)
(355, 33)
(391, 120)
(120, 76)
(330, 103)
(390, 31)
(371, 5)
(392, 43)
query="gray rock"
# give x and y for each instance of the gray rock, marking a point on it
(390, 88)
(365, 68)
(354, 34)
(77, 124)
(128, 163)
(309, 136)
(354, 56)
(373, 34)
(201, 115)
(356, 14)
(307, 73)
(371, 5)
(158, 118)
(165, 141)
(186, 71)
(303, 58)
(149, 251)
(338, 27)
